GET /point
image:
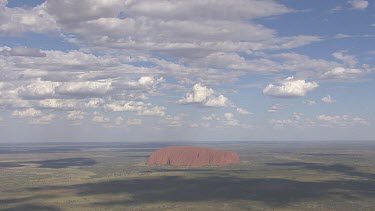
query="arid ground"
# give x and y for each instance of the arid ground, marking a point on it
(336, 175)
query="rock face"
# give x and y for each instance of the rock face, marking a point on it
(192, 156)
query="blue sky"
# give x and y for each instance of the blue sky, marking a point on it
(158, 70)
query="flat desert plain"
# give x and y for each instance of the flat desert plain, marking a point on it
(334, 175)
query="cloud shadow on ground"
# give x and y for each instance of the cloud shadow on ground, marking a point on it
(273, 192)
(56, 163)
(339, 168)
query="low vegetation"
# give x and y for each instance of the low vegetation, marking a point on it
(271, 176)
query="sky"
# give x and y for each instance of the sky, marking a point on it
(176, 70)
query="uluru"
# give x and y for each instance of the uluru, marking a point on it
(192, 156)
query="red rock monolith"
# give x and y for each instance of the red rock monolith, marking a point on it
(192, 156)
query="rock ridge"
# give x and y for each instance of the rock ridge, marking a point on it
(192, 156)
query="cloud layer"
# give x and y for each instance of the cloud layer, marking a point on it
(162, 64)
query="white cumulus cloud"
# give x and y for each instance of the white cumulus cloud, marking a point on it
(86, 88)
(359, 4)
(290, 88)
(19, 20)
(242, 111)
(76, 115)
(119, 120)
(139, 107)
(342, 73)
(30, 112)
(34, 116)
(201, 95)
(341, 120)
(38, 89)
(21, 51)
(134, 121)
(328, 99)
(99, 118)
(309, 102)
(274, 108)
(61, 104)
(347, 59)
(227, 119)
